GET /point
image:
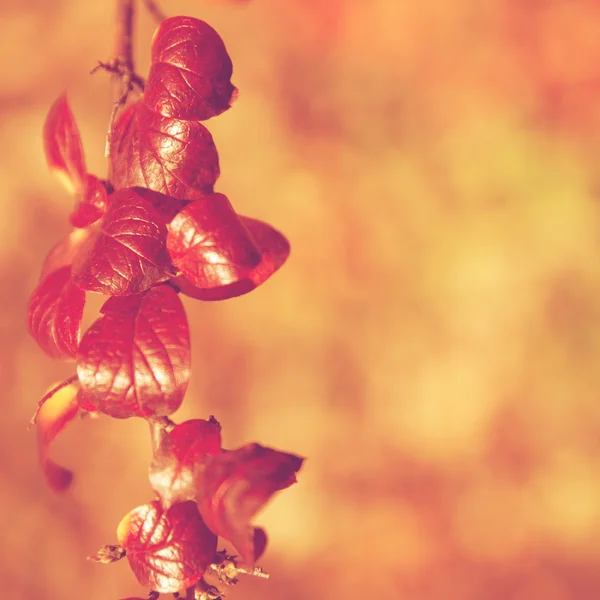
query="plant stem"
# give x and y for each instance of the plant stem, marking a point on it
(123, 62)
(153, 8)
(124, 34)
(159, 427)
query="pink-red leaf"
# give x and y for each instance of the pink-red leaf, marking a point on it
(166, 206)
(135, 359)
(92, 203)
(274, 249)
(191, 71)
(168, 551)
(180, 455)
(53, 416)
(54, 314)
(210, 245)
(62, 145)
(273, 246)
(235, 485)
(64, 252)
(175, 157)
(128, 254)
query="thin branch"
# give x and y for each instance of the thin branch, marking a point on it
(122, 65)
(156, 12)
(227, 570)
(124, 33)
(46, 397)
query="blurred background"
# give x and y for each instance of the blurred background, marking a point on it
(432, 345)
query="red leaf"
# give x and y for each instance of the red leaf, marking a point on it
(175, 157)
(85, 403)
(53, 416)
(235, 485)
(92, 205)
(135, 359)
(62, 144)
(166, 206)
(168, 551)
(190, 73)
(274, 249)
(64, 252)
(210, 245)
(54, 314)
(176, 463)
(128, 254)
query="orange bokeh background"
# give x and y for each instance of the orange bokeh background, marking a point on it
(432, 345)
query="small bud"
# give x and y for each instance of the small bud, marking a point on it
(108, 554)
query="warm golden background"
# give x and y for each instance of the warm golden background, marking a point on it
(433, 344)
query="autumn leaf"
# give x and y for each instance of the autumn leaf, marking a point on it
(176, 463)
(62, 145)
(167, 155)
(54, 314)
(64, 252)
(274, 249)
(59, 410)
(190, 73)
(166, 206)
(92, 203)
(210, 245)
(235, 485)
(168, 550)
(135, 359)
(128, 253)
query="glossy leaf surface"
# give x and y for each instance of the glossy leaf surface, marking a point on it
(274, 249)
(180, 456)
(135, 359)
(168, 551)
(191, 71)
(210, 245)
(62, 145)
(172, 156)
(235, 485)
(54, 314)
(128, 253)
(52, 418)
(166, 206)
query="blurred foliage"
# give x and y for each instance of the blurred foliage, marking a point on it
(432, 345)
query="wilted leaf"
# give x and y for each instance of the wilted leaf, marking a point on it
(235, 485)
(54, 314)
(175, 157)
(135, 359)
(168, 551)
(53, 416)
(128, 253)
(180, 455)
(191, 71)
(62, 145)
(92, 203)
(210, 245)
(274, 249)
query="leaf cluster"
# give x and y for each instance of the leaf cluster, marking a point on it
(155, 229)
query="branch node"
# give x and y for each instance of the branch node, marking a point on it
(227, 570)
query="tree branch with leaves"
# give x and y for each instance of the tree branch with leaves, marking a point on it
(153, 230)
